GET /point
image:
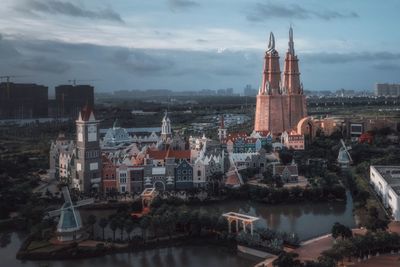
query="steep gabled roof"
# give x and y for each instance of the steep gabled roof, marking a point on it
(86, 113)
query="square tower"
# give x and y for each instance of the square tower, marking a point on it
(88, 153)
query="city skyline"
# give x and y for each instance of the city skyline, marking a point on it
(125, 45)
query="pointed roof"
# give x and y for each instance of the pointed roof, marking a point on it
(86, 113)
(271, 43)
(116, 123)
(291, 43)
(165, 118)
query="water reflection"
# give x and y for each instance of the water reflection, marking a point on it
(307, 220)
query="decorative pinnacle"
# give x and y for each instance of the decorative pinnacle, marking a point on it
(291, 43)
(271, 44)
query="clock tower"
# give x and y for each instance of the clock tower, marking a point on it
(88, 153)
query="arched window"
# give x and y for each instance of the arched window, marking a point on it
(198, 173)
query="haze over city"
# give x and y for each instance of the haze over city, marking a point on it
(193, 44)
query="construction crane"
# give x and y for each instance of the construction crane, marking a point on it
(73, 81)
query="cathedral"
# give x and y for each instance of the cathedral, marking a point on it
(281, 103)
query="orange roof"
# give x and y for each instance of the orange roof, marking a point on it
(162, 154)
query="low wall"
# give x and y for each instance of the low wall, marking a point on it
(254, 252)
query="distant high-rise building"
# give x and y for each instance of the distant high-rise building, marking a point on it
(249, 91)
(386, 89)
(23, 101)
(88, 153)
(280, 105)
(70, 99)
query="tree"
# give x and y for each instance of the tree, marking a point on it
(92, 221)
(287, 260)
(374, 222)
(144, 225)
(129, 226)
(113, 226)
(341, 230)
(121, 226)
(286, 156)
(155, 224)
(103, 224)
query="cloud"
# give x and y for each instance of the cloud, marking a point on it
(338, 58)
(44, 64)
(386, 66)
(138, 61)
(7, 50)
(181, 4)
(56, 7)
(264, 11)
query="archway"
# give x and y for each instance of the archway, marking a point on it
(307, 128)
(159, 185)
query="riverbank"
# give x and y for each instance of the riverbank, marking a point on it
(90, 249)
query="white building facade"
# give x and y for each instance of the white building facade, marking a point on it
(386, 183)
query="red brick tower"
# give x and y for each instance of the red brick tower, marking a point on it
(296, 105)
(271, 105)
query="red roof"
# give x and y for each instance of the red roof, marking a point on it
(86, 112)
(232, 179)
(234, 136)
(162, 154)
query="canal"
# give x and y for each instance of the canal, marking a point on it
(307, 220)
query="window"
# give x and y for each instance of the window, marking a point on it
(199, 173)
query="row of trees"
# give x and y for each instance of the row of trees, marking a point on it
(359, 246)
(363, 246)
(288, 195)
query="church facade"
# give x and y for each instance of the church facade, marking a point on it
(280, 103)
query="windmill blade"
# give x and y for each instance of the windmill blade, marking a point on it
(65, 192)
(55, 213)
(343, 144)
(348, 153)
(84, 202)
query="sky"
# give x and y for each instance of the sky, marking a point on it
(197, 44)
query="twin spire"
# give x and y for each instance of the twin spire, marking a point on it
(271, 42)
(273, 83)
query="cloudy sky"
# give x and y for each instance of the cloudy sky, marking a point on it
(196, 44)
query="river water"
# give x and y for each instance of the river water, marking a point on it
(307, 220)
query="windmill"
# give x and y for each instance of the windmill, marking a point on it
(70, 223)
(344, 158)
